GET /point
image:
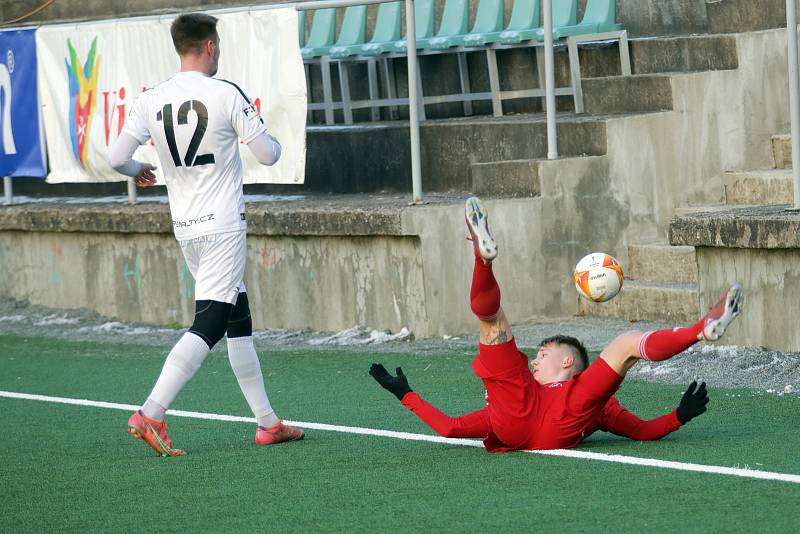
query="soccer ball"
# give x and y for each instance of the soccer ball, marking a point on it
(598, 277)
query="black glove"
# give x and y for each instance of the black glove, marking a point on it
(693, 403)
(398, 385)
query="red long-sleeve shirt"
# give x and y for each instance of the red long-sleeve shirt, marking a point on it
(551, 430)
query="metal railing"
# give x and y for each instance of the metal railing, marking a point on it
(413, 96)
(794, 96)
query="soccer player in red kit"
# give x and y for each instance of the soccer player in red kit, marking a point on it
(563, 399)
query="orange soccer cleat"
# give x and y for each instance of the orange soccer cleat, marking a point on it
(154, 434)
(278, 434)
(726, 310)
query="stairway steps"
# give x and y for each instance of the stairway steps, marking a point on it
(762, 187)
(661, 262)
(782, 151)
(638, 300)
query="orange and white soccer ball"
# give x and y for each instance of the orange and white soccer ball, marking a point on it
(598, 277)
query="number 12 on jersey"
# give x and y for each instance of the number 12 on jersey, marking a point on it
(191, 158)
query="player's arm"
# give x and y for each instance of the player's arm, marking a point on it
(265, 148)
(135, 132)
(495, 331)
(121, 158)
(471, 425)
(251, 129)
(617, 420)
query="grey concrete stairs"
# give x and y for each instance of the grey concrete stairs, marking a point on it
(764, 187)
(660, 285)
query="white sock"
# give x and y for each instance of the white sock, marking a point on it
(183, 361)
(247, 368)
(153, 410)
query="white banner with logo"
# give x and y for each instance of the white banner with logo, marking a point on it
(90, 74)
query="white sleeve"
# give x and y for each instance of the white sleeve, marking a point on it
(121, 155)
(245, 118)
(265, 148)
(136, 123)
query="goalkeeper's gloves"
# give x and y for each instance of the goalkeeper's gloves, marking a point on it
(693, 402)
(398, 385)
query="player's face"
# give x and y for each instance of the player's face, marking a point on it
(548, 364)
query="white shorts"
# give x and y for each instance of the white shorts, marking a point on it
(217, 262)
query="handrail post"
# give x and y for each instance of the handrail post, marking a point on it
(131, 191)
(7, 190)
(794, 96)
(413, 103)
(549, 77)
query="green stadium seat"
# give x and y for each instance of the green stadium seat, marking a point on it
(424, 17)
(320, 39)
(352, 33)
(455, 20)
(388, 24)
(524, 16)
(322, 34)
(488, 19)
(565, 13)
(600, 17)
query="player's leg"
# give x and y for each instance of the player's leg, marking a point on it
(659, 345)
(247, 369)
(485, 292)
(181, 364)
(214, 295)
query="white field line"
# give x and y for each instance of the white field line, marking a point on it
(568, 453)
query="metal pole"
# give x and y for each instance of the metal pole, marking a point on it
(413, 109)
(549, 80)
(794, 96)
(131, 191)
(7, 190)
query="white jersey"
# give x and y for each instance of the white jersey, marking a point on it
(196, 122)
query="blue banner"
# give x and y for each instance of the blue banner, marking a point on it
(22, 150)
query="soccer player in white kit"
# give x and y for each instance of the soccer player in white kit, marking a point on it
(196, 122)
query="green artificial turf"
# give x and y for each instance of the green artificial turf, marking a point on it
(73, 468)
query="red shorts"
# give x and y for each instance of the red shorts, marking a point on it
(525, 414)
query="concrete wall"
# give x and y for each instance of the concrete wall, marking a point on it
(759, 247)
(325, 283)
(771, 278)
(324, 267)
(399, 266)
(721, 121)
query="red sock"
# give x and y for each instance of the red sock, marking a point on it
(662, 344)
(484, 296)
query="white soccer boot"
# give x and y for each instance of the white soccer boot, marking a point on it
(478, 225)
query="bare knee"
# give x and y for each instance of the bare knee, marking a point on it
(622, 353)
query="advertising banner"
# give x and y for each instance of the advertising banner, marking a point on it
(22, 149)
(91, 74)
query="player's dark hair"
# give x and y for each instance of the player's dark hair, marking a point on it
(577, 348)
(191, 30)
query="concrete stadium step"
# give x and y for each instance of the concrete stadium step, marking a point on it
(628, 94)
(367, 158)
(514, 178)
(661, 262)
(689, 53)
(737, 16)
(762, 188)
(782, 151)
(649, 301)
(528, 178)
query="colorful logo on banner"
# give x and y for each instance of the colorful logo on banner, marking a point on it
(82, 97)
(21, 140)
